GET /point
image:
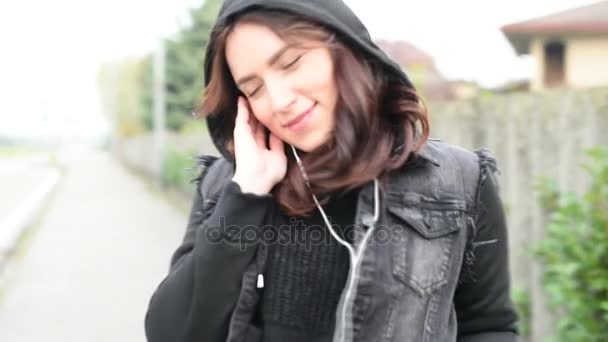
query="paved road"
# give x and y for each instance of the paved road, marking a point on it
(90, 267)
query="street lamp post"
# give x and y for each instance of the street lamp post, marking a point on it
(159, 112)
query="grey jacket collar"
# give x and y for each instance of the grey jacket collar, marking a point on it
(430, 153)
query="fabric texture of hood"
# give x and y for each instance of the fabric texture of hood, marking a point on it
(333, 14)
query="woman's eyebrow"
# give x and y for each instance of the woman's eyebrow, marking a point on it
(271, 61)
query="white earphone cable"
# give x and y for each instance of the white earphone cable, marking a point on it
(355, 256)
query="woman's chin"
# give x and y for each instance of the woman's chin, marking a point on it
(303, 147)
(310, 146)
(313, 141)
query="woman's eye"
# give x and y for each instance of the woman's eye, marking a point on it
(292, 63)
(252, 93)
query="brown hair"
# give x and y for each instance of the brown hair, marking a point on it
(380, 120)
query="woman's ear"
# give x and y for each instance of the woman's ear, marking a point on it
(230, 147)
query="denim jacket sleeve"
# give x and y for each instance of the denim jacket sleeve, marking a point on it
(195, 300)
(483, 305)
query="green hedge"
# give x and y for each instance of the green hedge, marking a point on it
(574, 254)
(179, 169)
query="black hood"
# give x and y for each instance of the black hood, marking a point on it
(334, 14)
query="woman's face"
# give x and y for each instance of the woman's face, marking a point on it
(290, 89)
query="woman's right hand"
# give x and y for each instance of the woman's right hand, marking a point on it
(258, 168)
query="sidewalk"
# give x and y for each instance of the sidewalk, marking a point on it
(18, 178)
(87, 273)
(26, 184)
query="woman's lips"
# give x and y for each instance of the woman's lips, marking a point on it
(300, 120)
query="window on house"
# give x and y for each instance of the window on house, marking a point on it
(554, 64)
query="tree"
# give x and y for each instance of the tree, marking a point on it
(120, 91)
(184, 67)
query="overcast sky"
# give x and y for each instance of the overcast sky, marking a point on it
(51, 50)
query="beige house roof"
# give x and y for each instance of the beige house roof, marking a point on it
(590, 19)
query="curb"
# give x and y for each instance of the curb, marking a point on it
(13, 227)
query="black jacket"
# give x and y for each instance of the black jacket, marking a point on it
(442, 275)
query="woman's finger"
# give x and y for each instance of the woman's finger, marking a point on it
(260, 134)
(242, 114)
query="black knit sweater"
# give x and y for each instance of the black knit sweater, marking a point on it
(305, 274)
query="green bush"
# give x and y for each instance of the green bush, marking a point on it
(178, 169)
(521, 299)
(194, 126)
(574, 254)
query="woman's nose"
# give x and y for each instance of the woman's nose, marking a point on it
(281, 96)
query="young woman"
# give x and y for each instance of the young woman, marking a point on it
(330, 217)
